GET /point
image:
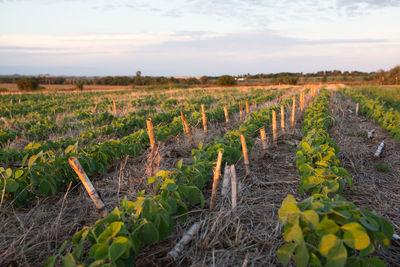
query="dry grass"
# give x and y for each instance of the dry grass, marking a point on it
(251, 234)
(373, 189)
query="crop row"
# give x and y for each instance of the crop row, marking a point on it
(325, 229)
(48, 171)
(39, 126)
(387, 117)
(116, 239)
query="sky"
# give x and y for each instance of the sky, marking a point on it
(197, 37)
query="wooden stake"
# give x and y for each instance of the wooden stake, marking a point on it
(247, 108)
(115, 108)
(215, 180)
(240, 111)
(282, 119)
(173, 254)
(76, 166)
(245, 156)
(234, 188)
(301, 101)
(357, 109)
(226, 115)
(263, 139)
(185, 123)
(275, 135)
(7, 122)
(150, 133)
(225, 181)
(203, 112)
(293, 110)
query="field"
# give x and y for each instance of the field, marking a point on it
(311, 193)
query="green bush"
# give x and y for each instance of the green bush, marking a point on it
(27, 84)
(226, 80)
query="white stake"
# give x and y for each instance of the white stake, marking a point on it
(184, 241)
(233, 184)
(379, 150)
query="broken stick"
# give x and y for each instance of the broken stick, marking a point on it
(263, 139)
(233, 184)
(215, 180)
(203, 113)
(379, 150)
(245, 156)
(173, 254)
(150, 132)
(225, 181)
(76, 166)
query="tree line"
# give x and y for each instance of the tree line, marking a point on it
(380, 77)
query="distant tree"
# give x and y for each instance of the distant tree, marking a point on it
(28, 84)
(138, 78)
(79, 85)
(204, 80)
(226, 80)
(324, 79)
(394, 75)
(59, 80)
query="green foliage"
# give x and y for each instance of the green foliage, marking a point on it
(226, 80)
(116, 239)
(28, 84)
(387, 117)
(79, 85)
(325, 229)
(382, 167)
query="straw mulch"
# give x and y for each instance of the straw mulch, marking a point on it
(373, 189)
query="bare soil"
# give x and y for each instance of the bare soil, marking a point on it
(374, 188)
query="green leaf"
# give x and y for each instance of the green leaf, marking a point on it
(50, 261)
(151, 180)
(179, 164)
(101, 251)
(370, 223)
(375, 262)
(333, 249)
(69, 261)
(149, 234)
(288, 209)
(306, 146)
(8, 173)
(18, 173)
(327, 243)
(171, 187)
(311, 217)
(118, 247)
(45, 187)
(355, 236)
(24, 160)
(164, 228)
(293, 233)
(111, 231)
(11, 186)
(285, 252)
(314, 260)
(326, 226)
(32, 160)
(301, 256)
(69, 149)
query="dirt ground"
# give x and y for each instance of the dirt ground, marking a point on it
(250, 235)
(29, 235)
(374, 188)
